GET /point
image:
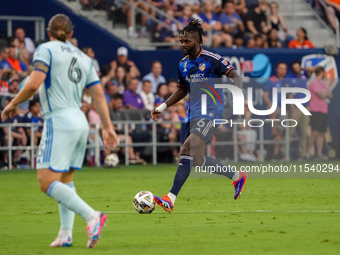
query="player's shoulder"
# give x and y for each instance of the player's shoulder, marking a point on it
(183, 59)
(210, 55)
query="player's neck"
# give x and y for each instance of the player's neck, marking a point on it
(195, 54)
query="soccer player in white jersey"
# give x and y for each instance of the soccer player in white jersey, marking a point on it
(61, 72)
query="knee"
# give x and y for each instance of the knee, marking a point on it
(43, 184)
(185, 149)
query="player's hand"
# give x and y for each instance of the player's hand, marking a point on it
(110, 139)
(10, 110)
(154, 114)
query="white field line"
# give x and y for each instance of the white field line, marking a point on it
(183, 212)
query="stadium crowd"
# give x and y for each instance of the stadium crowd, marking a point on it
(131, 97)
(233, 23)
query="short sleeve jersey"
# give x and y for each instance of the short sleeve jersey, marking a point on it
(199, 77)
(68, 71)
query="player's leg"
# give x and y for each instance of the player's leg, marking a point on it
(64, 238)
(189, 148)
(54, 157)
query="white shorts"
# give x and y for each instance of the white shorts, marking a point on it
(63, 142)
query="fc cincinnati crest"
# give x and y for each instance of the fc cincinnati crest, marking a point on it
(202, 67)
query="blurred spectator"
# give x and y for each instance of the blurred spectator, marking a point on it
(251, 4)
(24, 57)
(302, 41)
(334, 7)
(238, 42)
(251, 43)
(298, 79)
(167, 35)
(116, 106)
(147, 95)
(276, 81)
(14, 87)
(107, 74)
(18, 137)
(210, 21)
(3, 84)
(276, 21)
(172, 86)
(21, 35)
(3, 58)
(180, 3)
(240, 7)
(15, 42)
(122, 60)
(155, 76)
(74, 41)
(13, 62)
(318, 106)
(186, 16)
(29, 70)
(109, 90)
(126, 9)
(162, 91)
(259, 42)
(231, 21)
(257, 20)
(89, 52)
(120, 79)
(132, 100)
(272, 40)
(33, 116)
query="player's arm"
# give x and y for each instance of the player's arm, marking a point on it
(233, 74)
(30, 88)
(179, 94)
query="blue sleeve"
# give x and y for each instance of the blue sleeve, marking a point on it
(92, 78)
(181, 82)
(222, 66)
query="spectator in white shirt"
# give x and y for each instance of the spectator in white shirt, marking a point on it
(155, 76)
(29, 44)
(147, 95)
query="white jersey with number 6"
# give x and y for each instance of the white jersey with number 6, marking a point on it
(68, 71)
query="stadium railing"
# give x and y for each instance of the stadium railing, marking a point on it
(39, 25)
(261, 142)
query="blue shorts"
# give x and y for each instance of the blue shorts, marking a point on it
(203, 128)
(63, 142)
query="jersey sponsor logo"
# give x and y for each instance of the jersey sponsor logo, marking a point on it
(202, 67)
(197, 77)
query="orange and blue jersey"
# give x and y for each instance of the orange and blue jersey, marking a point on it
(199, 77)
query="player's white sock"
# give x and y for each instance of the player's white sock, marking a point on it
(236, 176)
(70, 199)
(66, 217)
(172, 197)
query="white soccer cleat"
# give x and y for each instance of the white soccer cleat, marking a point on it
(61, 242)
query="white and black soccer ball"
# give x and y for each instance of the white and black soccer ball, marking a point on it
(144, 202)
(111, 160)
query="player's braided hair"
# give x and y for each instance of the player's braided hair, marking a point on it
(194, 26)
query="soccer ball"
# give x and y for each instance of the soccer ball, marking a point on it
(144, 202)
(111, 160)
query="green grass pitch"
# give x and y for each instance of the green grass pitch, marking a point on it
(273, 215)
